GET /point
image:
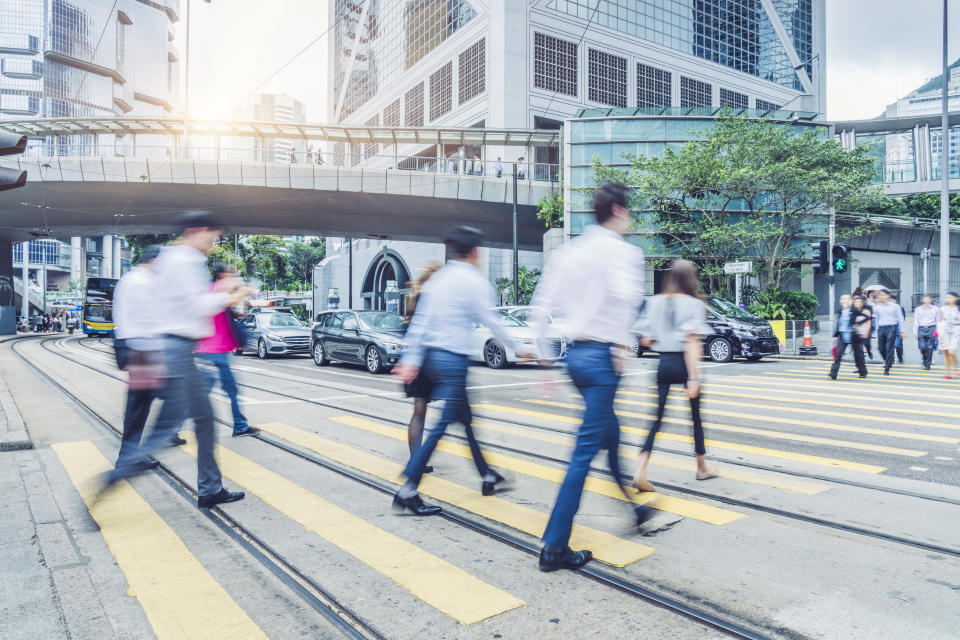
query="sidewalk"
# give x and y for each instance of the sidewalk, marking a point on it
(13, 433)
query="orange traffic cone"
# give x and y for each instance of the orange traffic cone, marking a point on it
(807, 348)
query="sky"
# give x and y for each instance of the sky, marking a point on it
(877, 51)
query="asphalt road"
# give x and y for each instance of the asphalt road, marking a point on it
(834, 516)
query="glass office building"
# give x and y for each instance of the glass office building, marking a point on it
(83, 58)
(613, 136)
(425, 62)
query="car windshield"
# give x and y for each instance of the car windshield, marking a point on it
(728, 309)
(510, 321)
(284, 320)
(381, 321)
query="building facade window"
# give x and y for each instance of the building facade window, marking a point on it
(372, 148)
(413, 107)
(767, 106)
(607, 78)
(654, 87)
(735, 33)
(473, 71)
(695, 93)
(354, 154)
(339, 151)
(441, 91)
(733, 99)
(554, 64)
(391, 114)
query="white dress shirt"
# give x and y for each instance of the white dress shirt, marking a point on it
(451, 301)
(184, 302)
(134, 316)
(595, 285)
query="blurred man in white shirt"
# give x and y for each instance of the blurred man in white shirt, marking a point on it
(185, 305)
(596, 285)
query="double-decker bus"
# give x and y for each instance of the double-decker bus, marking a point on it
(98, 306)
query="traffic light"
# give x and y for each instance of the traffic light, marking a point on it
(11, 144)
(840, 259)
(821, 258)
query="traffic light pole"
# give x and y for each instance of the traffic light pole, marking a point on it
(831, 276)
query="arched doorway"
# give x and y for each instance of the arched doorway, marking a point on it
(386, 283)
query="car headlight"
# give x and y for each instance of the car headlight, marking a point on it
(392, 346)
(274, 337)
(524, 341)
(745, 333)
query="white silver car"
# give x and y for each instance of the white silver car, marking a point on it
(523, 338)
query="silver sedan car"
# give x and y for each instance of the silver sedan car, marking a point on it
(275, 333)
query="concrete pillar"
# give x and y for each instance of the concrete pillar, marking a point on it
(106, 269)
(77, 266)
(8, 312)
(117, 268)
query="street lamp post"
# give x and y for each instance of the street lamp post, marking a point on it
(186, 88)
(516, 260)
(945, 170)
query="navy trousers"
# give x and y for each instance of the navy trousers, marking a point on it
(591, 369)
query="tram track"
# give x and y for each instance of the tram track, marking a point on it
(734, 502)
(348, 622)
(726, 461)
(718, 620)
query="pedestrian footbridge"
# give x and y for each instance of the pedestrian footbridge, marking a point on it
(132, 175)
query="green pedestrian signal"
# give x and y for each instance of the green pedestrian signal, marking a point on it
(840, 259)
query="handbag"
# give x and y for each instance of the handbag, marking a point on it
(240, 334)
(835, 352)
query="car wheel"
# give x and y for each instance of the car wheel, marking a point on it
(262, 349)
(637, 348)
(494, 355)
(720, 350)
(754, 358)
(320, 354)
(373, 360)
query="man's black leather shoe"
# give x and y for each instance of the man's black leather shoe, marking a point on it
(177, 441)
(563, 559)
(643, 512)
(415, 504)
(222, 497)
(489, 488)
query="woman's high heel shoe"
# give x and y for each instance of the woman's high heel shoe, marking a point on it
(642, 484)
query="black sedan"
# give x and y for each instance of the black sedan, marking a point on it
(736, 332)
(371, 338)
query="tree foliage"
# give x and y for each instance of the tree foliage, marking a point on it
(550, 210)
(748, 189)
(527, 279)
(922, 205)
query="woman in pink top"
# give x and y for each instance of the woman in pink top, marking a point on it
(216, 350)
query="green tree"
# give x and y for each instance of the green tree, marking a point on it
(527, 278)
(748, 190)
(140, 242)
(302, 258)
(262, 258)
(550, 210)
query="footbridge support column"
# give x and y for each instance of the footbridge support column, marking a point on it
(8, 312)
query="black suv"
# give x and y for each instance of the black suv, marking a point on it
(736, 332)
(371, 338)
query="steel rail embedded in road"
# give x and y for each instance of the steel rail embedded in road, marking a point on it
(697, 614)
(319, 599)
(823, 522)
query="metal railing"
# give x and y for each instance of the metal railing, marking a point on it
(44, 156)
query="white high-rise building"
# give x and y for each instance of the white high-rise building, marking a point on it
(533, 63)
(276, 107)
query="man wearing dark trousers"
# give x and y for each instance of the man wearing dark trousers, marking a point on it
(440, 340)
(925, 319)
(596, 285)
(845, 336)
(889, 318)
(137, 348)
(186, 304)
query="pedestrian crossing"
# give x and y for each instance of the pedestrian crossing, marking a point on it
(174, 589)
